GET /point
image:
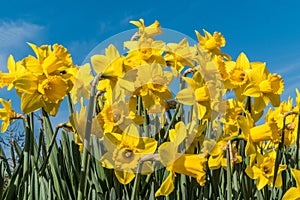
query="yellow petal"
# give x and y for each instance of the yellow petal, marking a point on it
(33, 65)
(252, 90)
(186, 96)
(292, 194)
(242, 62)
(107, 161)
(167, 186)
(27, 83)
(30, 102)
(179, 134)
(99, 63)
(124, 177)
(166, 153)
(253, 172)
(261, 133)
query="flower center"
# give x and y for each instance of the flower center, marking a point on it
(127, 154)
(267, 166)
(53, 89)
(238, 77)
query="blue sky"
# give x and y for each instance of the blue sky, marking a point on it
(267, 31)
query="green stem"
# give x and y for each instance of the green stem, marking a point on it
(43, 167)
(84, 163)
(26, 162)
(146, 122)
(172, 121)
(70, 103)
(229, 175)
(134, 194)
(279, 152)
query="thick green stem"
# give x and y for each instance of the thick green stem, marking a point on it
(43, 167)
(84, 163)
(229, 174)
(134, 194)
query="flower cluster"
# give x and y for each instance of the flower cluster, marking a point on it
(140, 121)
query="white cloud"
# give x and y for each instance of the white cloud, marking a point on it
(14, 35)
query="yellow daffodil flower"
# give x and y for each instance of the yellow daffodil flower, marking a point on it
(237, 78)
(277, 116)
(118, 115)
(15, 69)
(6, 114)
(234, 108)
(293, 193)
(82, 83)
(217, 152)
(211, 43)
(124, 152)
(151, 30)
(193, 165)
(220, 63)
(179, 55)
(48, 78)
(111, 67)
(49, 62)
(110, 64)
(151, 83)
(78, 122)
(142, 52)
(263, 170)
(196, 94)
(264, 87)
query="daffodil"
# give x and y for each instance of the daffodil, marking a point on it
(144, 51)
(111, 68)
(55, 61)
(220, 63)
(264, 87)
(179, 55)
(118, 115)
(151, 30)
(263, 170)
(217, 152)
(82, 83)
(234, 108)
(293, 193)
(285, 111)
(211, 43)
(237, 78)
(109, 65)
(42, 92)
(193, 165)
(48, 78)
(151, 84)
(7, 114)
(15, 69)
(196, 94)
(78, 122)
(124, 152)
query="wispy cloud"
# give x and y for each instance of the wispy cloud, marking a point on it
(13, 35)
